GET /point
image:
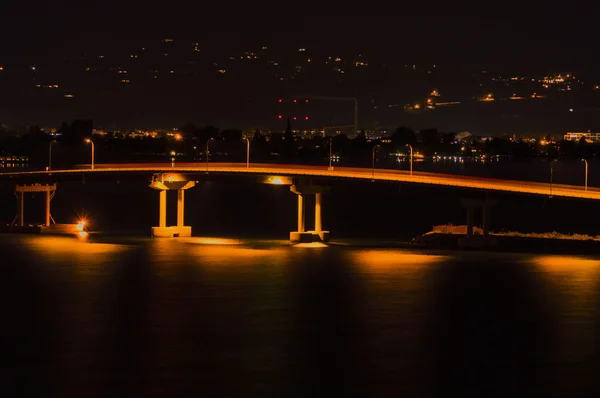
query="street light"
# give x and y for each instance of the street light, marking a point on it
(89, 141)
(374, 150)
(247, 152)
(586, 173)
(330, 153)
(207, 143)
(552, 174)
(411, 157)
(50, 155)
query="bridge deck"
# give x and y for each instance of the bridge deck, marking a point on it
(458, 181)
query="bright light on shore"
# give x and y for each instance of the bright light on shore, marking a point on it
(81, 225)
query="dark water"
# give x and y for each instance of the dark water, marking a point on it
(206, 317)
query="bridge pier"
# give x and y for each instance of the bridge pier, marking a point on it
(471, 241)
(20, 190)
(301, 235)
(164, 183)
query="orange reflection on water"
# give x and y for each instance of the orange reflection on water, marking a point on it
(69, 245)
(386, 260)
(579, 270)
(565, 263)
(213, 241)
(228, 252)
(311, 245)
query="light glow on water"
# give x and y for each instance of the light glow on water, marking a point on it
(570, 270)
(311, 245)
(566, 263)
(395, 257)
(386, 259)
(213, 241)
(67, 245)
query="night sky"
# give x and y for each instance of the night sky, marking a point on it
(61, 42)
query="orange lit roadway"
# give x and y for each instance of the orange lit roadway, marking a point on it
(284, 170)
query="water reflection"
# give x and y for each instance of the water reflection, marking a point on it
(226, 317)
(575, 296)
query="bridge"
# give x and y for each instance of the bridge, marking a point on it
(177, 176)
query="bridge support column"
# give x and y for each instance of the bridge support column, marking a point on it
(164, 183)
(162, 209)
(469, 222)
(318, 227)
(486, 221)
(301, 235)
(301, 212)
(21, 209)
(48, 198)
(180, 212)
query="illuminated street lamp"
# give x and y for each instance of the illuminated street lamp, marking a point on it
(552, 174)
(247, 152)
(207, 143)
(50, 155)
(586, 173)
(89, 141)
(411, 157)
(374, 150)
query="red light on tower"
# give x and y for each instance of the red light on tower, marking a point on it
(306, 118)
(307, 101)
(280, 100)
(295, 101)
(295, 118)
(280, 117)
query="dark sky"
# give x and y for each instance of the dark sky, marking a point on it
(487, 30)
(516, 38)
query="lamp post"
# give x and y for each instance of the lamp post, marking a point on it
(552, 174)
(89, 141)
(586, 173)
(50, 155)
(374, 150)
(411, 157)
(207, 143)
(330, 153)
(247, 152)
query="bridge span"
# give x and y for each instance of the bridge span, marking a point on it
(309, 181)
(290, 170)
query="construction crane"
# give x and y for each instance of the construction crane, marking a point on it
(336, 99)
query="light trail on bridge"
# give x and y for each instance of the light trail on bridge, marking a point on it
(291, 170)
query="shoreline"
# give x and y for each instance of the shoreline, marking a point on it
(452, 236)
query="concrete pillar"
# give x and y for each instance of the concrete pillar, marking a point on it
(486, 220)
(180, 208)
(21, 209)
(162, 215)
(318, 226)
(469, 222)
(48, 208)
(300, 213)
